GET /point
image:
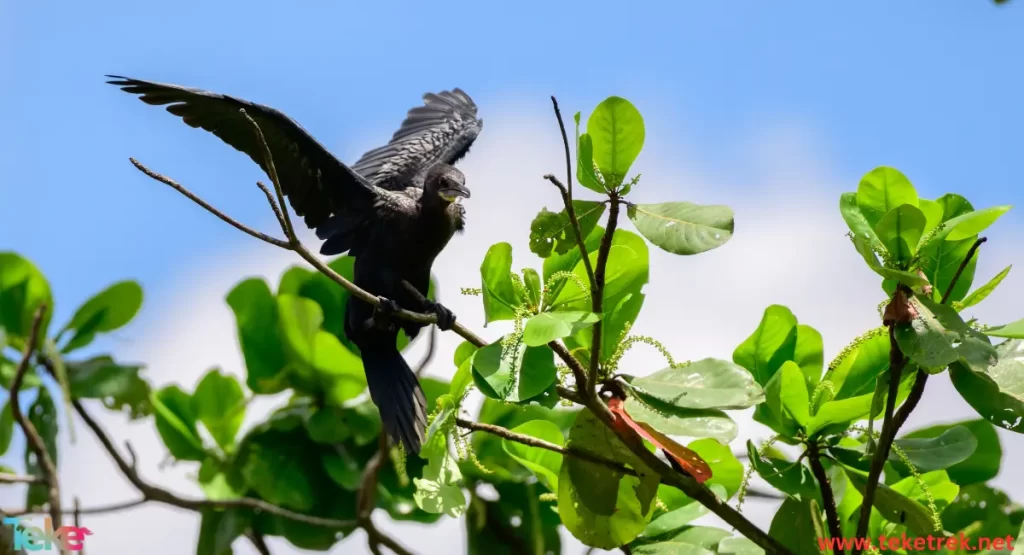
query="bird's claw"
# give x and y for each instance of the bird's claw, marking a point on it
(381, 319)
(445, 317)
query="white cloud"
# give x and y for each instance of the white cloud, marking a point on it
(789, 248)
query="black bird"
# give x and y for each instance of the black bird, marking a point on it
(394, 210)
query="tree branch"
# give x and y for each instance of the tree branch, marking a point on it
(827, 495)
(103, 509)
(6, 478)
(160, 495)
(597, 293)
(258, 542)
(35, 441)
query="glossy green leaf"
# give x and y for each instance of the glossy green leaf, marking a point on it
(499, 293)
(617, 130)
(896, 507)
(513, 374)
(585, 173)
(855, 220)
(881, 190)
(681, 422)
(23, 288)
(108, 310)
(534, 287)
(219, 404)
(809, 354)
(787, 404)
(953, 446)
(900, 231)
(546, 327)
(284, 468)
(1013, 330)
(972, 223)
(772, 343)
(683, 227)
(855, 373)
(119, 386)
(841, 412)
(982, 465)
(690, 540)
(726, 470)
(553, 231)
(176, 423)
(545, 464)
(797, 525)
(997, 392)
(981, 293)
(704, 384)
(256, 317)
(739, 546)
(794, 479)
(599, 506)
(933, 212)
(6, 428)
(43, 415)
(437, 491)
(219, 529)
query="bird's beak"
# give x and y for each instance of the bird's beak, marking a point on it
(451, 194)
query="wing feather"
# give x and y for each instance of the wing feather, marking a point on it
(440, 131)
(316, 183)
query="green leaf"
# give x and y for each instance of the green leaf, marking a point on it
(980, 504)
(545, 464)
(119, 386)
(6, 428)
(772, 344)
(926, 340)
(549, 326)
(514, 374)
(704, 384)
(933, 212)
(23, 288)
(299, 320)
(43, 415)
(1013, 330)
(809, 354)
(599, 506)
(626, 272)
(739, 546)
(726, 470)
(955, 445)
(842, 412)
(568, 262)
(794, 479)
(553, 231)
(219, 529)
(982, 465)
(997, 392)
(968, 225)
(787, 404)
(176, 423)
(683, 227)
(256, 316)
(284, 469)
(896, 507)
(796, 525)
(585, 160)
(344, 469)
(856, 221)
(881, 190)
(900, 230)
(855, 373)
(690, 540)
(617, 130)
(534, 288)
(106, 311)
(437, 491)
(981, 293)
(219, 404)
(499, 293)
(673, 521)
(676, 421)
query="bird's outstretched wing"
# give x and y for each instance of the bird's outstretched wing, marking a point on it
(317, 184)
(442, 130)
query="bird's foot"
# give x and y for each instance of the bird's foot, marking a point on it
(381, 319)
(445, 317)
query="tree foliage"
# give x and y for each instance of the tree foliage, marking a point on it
(565, 435)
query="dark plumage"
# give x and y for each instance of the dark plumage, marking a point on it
(394, 210)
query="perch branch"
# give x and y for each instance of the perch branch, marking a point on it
(35, 441)
(827, 495)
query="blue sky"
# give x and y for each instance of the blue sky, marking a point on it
(927, 86)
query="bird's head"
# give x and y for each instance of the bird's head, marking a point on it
(446, 182)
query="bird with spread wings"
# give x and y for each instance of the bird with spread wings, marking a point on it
(394, 210)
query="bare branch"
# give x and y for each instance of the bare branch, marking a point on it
(160, 495)
(597, 292)
(209, 208)
(35, 441)
(578, 372)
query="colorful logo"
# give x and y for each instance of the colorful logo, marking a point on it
(34, 538)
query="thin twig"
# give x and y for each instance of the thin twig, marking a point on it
(35, 441)
(102, 509)
(578, 372)
(258, 541)
(209, 208)
(961, 268)
(597, 295)
(541, 444)
(827, 495)
(160, 495)
(377, 538)
(6, 478)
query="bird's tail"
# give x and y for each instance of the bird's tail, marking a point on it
(397, 394)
